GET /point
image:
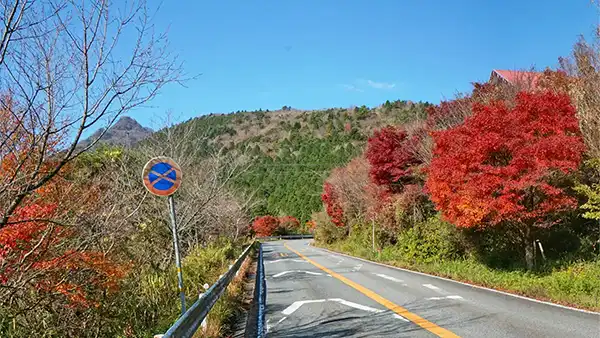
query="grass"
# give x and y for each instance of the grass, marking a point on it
(223, 315)
(152, 304)
(576, 284)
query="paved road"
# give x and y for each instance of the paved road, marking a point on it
(315, 293)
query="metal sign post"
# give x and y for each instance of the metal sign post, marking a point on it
(162, 177)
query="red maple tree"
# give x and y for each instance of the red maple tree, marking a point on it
(500, 164)
(333, 206)
(390, 152)
(265, 225)
(288, 224)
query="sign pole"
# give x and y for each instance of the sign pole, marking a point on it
(162, 177)
(177, 256)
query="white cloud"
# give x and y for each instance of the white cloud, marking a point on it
(360, 85)
(352, 88)
(380, 85)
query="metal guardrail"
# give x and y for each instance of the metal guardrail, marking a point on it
(271, 238)
(255, 325)
(191, 320)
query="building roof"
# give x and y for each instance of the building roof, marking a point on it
(514, 76)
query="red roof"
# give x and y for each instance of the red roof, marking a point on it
(513, 76)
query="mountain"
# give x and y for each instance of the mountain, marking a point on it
(293, 151)
(125, 132)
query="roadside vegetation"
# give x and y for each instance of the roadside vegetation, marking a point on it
(497, 187)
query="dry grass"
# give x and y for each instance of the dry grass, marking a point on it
(222, 316)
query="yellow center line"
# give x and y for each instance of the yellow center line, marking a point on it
(422, 322)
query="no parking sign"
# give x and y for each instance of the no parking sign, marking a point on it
(162, 176)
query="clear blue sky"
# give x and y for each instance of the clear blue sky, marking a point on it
(312, 54)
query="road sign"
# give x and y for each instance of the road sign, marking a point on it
(162, 176)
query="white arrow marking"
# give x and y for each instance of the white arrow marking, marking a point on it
(447, 297)
(357, 268)
(455, 297)
(296, 305)
(308, 272)
(432, 287)
(388, 277)
(288, 260)
(355, 305)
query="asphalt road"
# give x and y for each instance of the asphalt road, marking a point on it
(315, 293)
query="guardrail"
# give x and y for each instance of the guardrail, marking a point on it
(271, 238)
(191, 320)
(255, 325)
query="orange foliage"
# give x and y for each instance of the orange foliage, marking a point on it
(34, 242)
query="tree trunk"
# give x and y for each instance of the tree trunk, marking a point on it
(529, 247)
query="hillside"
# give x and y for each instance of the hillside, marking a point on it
(293, 151)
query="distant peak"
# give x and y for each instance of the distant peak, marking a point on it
(127, 123)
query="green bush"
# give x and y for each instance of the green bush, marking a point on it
(432, 240)
(326, 231)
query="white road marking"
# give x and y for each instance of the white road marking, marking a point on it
(388, 277)
(355, 305)
(447, 297)
(357, 268)
(455, 297)
(340, 261)
(281, 320)
(432, 287)
(400, 317)
(307, 272)
(288, 260)
(296, 305)
(435, 298)
(268, 326)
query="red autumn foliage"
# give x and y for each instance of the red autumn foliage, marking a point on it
(311, 226)
(391, 154)
(332, 205)
(498, 165)
(34, 245)
(265, 225)
(288, 224)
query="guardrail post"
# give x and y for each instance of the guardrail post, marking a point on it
(204, 323)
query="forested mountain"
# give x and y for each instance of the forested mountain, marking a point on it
(293, 151)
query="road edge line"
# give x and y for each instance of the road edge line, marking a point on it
(399, 310)
(463, 283)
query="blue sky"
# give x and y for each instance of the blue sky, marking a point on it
(336, 53)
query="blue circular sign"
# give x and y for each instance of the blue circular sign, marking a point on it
(162, 176)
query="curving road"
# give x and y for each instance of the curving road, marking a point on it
(315, 293)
